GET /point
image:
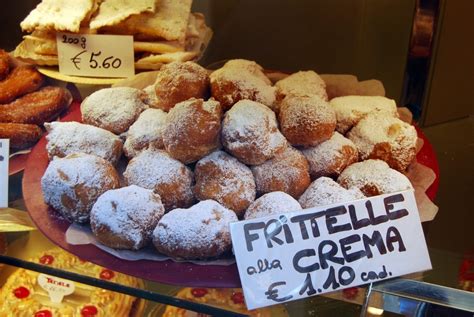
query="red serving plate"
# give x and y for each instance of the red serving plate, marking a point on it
(169, 272)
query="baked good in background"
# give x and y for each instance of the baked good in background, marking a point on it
(383, 137)
(178, 81)
(325, 191)
(25, 103)
(221, 177)
(145, 133)
(270, 204)
(66, 138)
(250, 133)
(20, 81)
(331, 157)
(351, 109)
(227, 298)
(21, 294)
(338, 85)
(125, 218)
(374, 177)
(71, 185)
(300, 84)
(241, 79)
(158, 171)
(199, 232)
(192, 129)
(306, 121)
(21, 135)
(113, 109)
(288, 172)
(163, 30)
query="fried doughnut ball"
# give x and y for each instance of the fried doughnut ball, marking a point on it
(306, 121)
(241, 79)
(71, 185)
(192, 129)
(374, 177)
(145, 133)
(178, 81)
(270, 204)
(300, 84)
(325, 191)
(66, 138)
(157, 170)
(287, 172)
(351, 109)
(199, 232)
(223, 178)
(125, 218)
(383, 137)
(250, 133)
(331, 157)
(113, 109)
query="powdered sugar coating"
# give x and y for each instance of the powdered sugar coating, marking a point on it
(306, 121)
(380, 136)
(250, 132)
(192, 129)
(325, 191)
(157, 170)
(71, 185)
(241, 79)
(145, 133)
(199, 232)
(223, 178)
(331, 157)
(113, 109)
(288, 172)
(301, 84)
(273, 203)
(374, 177)
(179, 81)
(66, 138)
(125, 218)
(351, 109)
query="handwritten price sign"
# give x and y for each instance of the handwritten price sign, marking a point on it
(4, 151)
(95, 55)
(324, 249)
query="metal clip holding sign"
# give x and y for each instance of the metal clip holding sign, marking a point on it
(4, 152)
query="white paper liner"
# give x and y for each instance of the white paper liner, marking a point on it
(79, 235)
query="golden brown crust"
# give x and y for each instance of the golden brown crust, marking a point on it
(178, 82)
(4, 64)
(36, 107)
(20, 81)
(192, 129)
(306, 121)
(21, 135)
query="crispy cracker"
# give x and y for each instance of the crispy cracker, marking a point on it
(114, 11)
(147, 66)
(169, 22)
(26, 51)
(158, 47)
(168, 57)
(198, 35)
(60, 15)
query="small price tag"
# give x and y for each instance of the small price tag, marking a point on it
(4, 153)
(95, 55)
(318, 250)
(56, 287)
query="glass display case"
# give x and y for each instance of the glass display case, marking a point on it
(371, 39)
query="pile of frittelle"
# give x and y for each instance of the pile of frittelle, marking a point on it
(203, 150)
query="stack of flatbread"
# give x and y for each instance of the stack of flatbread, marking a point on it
(163, 30)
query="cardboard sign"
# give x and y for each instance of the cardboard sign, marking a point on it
(4, 153)
(95, 55)
(313, 251)
(56, 287)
